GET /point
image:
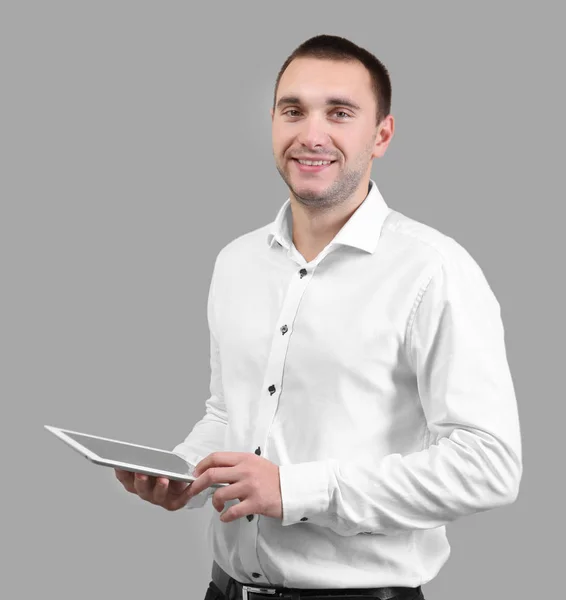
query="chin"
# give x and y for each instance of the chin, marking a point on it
(310, 192)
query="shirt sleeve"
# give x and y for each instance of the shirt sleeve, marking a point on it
(208, 434)
(471, 459)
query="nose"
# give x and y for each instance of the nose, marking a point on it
(313, 132)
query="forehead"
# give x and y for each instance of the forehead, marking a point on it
(313, 79)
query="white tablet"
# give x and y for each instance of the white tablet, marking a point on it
(126, 456)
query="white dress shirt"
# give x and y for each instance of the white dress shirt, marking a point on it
(376, 377)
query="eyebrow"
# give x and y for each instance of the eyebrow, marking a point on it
(333, 101)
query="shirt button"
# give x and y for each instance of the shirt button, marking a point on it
(284, 329)
(256, 575)
(304, 519)
(303, 272)
(258, 451)
(250, 517)
(271, 390)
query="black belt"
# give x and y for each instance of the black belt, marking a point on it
(227, 585)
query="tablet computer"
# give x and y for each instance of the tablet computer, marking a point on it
(129, 457)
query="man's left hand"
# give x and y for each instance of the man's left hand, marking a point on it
(253, 480)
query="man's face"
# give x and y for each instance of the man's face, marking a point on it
(324, 109)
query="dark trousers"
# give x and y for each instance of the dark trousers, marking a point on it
(213, 593)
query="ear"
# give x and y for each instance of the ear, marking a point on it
(384, 136)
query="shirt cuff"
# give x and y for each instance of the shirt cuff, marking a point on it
(304, 491)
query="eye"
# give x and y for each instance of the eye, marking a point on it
(344, 114)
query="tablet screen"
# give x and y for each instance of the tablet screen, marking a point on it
(143, 457)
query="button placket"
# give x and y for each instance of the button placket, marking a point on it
(268, 405)
(258, 452)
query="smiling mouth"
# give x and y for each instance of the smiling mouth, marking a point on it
(314, 163)
(312, 166)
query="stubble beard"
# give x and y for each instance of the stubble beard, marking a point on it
(340, 190)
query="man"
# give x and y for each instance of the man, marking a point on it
(361, 397)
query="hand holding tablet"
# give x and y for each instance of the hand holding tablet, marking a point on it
(169, 494)
(158, 476)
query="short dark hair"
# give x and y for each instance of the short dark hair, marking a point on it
(332, 47)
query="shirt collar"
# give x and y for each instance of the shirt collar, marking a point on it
(362, 230)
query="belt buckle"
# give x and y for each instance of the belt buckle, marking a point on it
(256, 590)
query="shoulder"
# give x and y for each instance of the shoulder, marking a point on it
(243, 250)
(432, 247)
(444, 264)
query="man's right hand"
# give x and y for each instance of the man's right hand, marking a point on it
(168, 493)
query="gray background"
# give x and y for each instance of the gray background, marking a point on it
(136, 142)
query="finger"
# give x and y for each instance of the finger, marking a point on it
(214, 475)
(237, 511)
(122, 475)
(176, 486)
(219, 459)
(126, 478)
(175, 503)
(205, 463)
(227, 493)
(217, 503)
(160, 491)
(143, 485)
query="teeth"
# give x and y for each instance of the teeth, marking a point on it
(313, 163)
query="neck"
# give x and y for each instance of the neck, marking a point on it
(314, 228)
